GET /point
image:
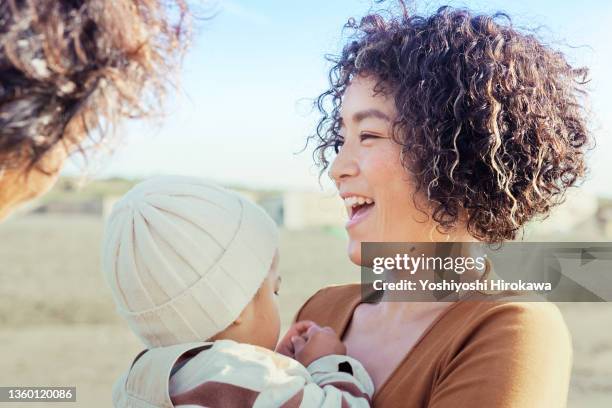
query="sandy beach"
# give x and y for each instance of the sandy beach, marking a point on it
(59, 327)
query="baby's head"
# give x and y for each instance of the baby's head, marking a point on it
(189, 261)
(259, 322)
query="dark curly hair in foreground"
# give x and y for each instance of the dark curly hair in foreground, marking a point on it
(490, 120)
(71, 69)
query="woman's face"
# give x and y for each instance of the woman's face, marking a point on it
(22, 184)
(375, 187)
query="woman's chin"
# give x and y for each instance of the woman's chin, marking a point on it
(354, 252)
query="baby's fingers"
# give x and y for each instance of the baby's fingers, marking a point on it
(285, 346)
(301, 327)
(298, 343)
(318, 329)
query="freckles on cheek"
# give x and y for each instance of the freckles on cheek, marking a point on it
(384, 171)
(394, 191)
(380, 170)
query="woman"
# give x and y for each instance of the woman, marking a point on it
(454, 127)
(69, 71)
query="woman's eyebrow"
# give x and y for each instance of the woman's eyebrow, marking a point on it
(369, 113)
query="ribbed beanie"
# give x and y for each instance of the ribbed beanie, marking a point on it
(183, 258)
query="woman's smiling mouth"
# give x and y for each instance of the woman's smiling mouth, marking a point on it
(358, 207)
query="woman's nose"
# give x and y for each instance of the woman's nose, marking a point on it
(343, 166)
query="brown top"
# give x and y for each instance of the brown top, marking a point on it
(477, 353)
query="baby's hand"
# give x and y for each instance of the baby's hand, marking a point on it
(285, 346)
(317, 342)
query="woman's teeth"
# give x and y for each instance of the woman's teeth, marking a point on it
(356, 200)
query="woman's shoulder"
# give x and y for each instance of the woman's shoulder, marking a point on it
(331, 304)
(511, 320)
(504, 345)
(513, 305)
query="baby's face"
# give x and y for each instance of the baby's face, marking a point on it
(263, 320)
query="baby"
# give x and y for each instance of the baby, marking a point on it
(193, 269)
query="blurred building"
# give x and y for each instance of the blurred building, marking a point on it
(296, 210)
(583, 216)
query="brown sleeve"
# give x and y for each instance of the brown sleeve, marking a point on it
(519, 355)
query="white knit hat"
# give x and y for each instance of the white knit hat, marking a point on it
(183, 258)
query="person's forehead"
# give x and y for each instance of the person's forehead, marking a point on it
(360, 97)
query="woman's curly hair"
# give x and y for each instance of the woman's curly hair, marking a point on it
(71, 69)
(491, 120)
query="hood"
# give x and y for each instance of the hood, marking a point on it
(145, 383)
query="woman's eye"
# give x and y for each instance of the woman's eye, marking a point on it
(366, 136)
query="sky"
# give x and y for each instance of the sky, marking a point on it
(244, 107)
